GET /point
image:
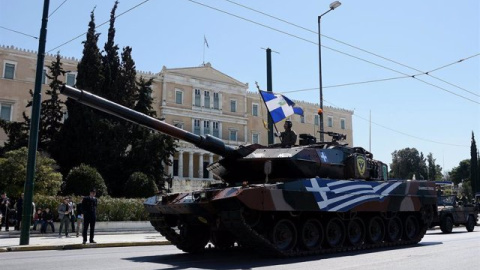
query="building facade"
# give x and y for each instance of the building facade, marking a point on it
(200, 99)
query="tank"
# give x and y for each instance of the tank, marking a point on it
(313, 198)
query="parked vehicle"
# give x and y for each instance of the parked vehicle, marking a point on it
(454, 213)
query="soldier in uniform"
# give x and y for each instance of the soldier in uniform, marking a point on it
(288, 137)
(89, 208)
(4, 211)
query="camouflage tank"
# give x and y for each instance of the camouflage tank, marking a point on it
(313, 198)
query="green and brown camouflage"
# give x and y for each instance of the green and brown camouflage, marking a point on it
(452, 212)
(309, 199)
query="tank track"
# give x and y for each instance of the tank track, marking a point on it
(160, 225)
(235, 223)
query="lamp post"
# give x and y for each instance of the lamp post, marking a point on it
(333, 6)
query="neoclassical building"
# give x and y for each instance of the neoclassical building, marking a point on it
(202, 100)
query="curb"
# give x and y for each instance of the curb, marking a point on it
(81, 246)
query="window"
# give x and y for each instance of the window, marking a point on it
(302, 119)
(316, 120)
(233, 105)
(196, 126)
(255, 109)
(65, 116)
(178, 96)
(178, 124)
(216, 129)
(175, 167)
(206, 127)
(216, 101)
(255, 138)
(233, 135)
(342, 123)
(9, 71)
(330, 121)
(71, 79)
(197, 97)
(6, 111)
(206, 99)
(44, 76)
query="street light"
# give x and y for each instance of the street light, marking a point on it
(333, 6)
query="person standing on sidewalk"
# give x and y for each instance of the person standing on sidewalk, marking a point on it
(79, 218)
(64, 216)
(4, 211)
(73, 209)
(89, 208)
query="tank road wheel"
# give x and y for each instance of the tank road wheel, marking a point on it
(192, 238)
(355, 232)
(375, 230)
(412, 228)
(470, 223)
(335, 233)
(394, 229)
(312, 234)
(446, 224)
(284, 235)
(222, 239)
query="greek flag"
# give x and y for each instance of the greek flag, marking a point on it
(279, 106)
(343, 195)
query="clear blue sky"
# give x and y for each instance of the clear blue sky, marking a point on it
(405, 112)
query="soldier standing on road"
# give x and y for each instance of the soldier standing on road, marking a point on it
(288, 137)
(89, 208)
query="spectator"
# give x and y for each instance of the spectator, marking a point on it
(19, 206)
(37, 219)
(73, 209)
(89, 208)
(47, 217)
(79, 217)
(4, 210)
(64, 216)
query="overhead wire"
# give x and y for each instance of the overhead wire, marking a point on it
(338, 51)
(53, 12)
(128, 10)
(363, 50)
(18, 32)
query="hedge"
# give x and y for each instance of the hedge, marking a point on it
(108, 209)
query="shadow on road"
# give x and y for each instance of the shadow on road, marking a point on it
(241, 259)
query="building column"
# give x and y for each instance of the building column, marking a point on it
(170, 167)
(180, 164)
(200, 165)
(190, 165)
(210, 160)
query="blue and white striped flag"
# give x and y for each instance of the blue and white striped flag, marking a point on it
(343, 195)
(279, 106)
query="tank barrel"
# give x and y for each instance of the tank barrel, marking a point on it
(209, 143)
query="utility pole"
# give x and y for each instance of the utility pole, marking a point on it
(269, 89)
(33, 138)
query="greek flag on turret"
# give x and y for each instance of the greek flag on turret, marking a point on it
(279, 106)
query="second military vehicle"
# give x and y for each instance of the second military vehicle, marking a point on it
(309, 199)
(452, 212)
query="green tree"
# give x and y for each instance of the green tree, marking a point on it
(13, 172)
(111, 62)
(17, 134)
(139, 185)
(474, 167)
(80, 180)
(407, 162)
(461, 172)
(434, 170)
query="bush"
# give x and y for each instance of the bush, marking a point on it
(139, 185)
(108, 209)
(80, 180)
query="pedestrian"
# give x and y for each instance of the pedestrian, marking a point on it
(73, 209)
(64, 216)
(4, 210)
(47, 217)
(19, 206)
(89, 208)
(79, 218)
(37, 219)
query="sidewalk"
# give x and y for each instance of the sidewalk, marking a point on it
(10, 241)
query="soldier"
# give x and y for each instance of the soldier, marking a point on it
(4, 211)
(89, 208)
(288, 137)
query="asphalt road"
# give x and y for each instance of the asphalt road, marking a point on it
(459, 250)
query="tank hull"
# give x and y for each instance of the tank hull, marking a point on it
(339, 214)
